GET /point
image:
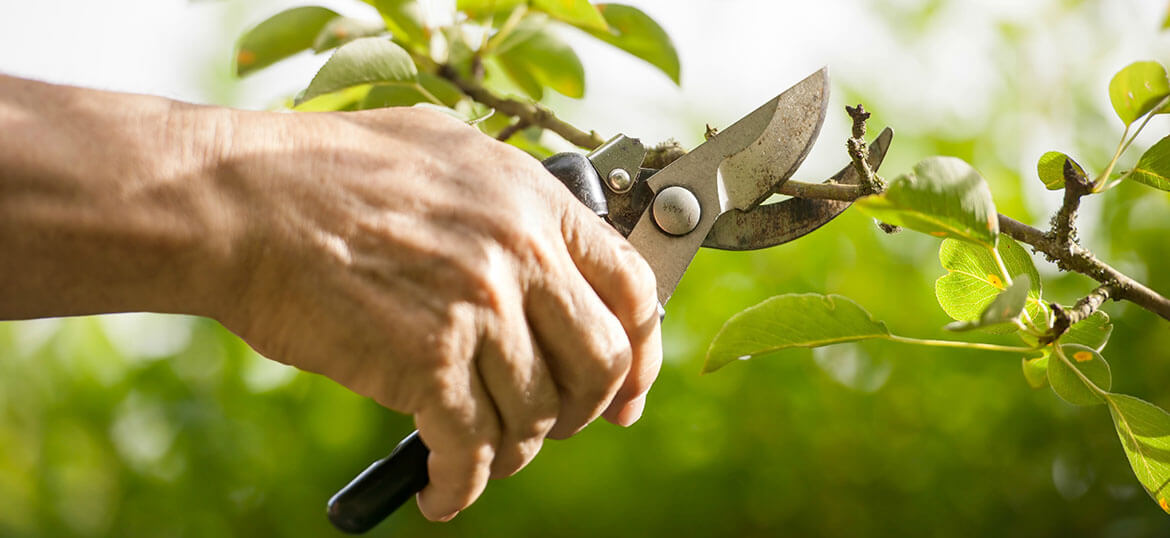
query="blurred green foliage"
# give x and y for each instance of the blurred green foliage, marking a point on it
(169, 426)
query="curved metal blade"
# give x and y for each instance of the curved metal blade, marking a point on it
(772, 224)
(735, 169)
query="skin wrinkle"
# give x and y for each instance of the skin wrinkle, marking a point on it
(398, 252)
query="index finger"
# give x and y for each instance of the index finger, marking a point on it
(625, 283)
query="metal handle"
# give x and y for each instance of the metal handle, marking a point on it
(389, 482)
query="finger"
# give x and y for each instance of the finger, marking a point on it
(625, 282)
(522, 389)
(585, 347)
(461, 429)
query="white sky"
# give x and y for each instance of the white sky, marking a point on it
(735, 55)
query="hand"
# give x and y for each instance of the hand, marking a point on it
(443, 274)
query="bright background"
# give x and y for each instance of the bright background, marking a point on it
(148, 425)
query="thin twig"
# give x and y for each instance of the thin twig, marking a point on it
(1069, 257)
(1064, 222)
(532, 113)
(859, 152)
(511, 130)
(1067, 317)
(822, 191)
(1075, 258)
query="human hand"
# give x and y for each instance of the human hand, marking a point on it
(443, 274)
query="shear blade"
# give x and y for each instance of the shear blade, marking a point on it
(773, 224)
(735, 169)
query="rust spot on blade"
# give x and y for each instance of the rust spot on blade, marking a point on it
(1083, 356)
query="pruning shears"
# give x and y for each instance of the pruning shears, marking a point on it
(711, 197)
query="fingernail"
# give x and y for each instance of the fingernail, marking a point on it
(632, 412)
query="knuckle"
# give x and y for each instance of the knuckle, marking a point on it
(481, 454)
(538, 427)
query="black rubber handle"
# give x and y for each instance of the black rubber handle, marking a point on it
(380, 489)
(389, 482)
(582, 179)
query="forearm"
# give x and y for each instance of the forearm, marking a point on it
(110, 202)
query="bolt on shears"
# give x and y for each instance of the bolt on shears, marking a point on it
(711, 197)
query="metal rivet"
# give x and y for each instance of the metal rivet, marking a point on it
(676, 210)
(619, 180)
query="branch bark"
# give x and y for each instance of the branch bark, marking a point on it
(1068, 256)
(530, 113)
(1059, 245)
(1075, 258)
(822, 191)
(859, 152)
(1067, 317)
(1064, 223)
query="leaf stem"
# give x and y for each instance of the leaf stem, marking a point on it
(1007, 279)
(430, 97)
(506, 29)
(1149, 116)
(1084, 379)
(962, 345)
(1121, 145)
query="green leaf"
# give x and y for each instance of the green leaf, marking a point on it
(346, 99)
(942, 196)
(458, 50)
(1068, 385)
(280, 36)
(1036, 371)
(534, 58)
(531, 141)
(404, 19)
(1144, 429)
(1050, 168)
(973, 279)
(1153, 168)
(390, 95)
(1092, 332)
(579, 13)
(519, 80)
(793, 320)
(1138, 88)
(636, 33)
(1003, 310)
(370, 60)
(342, 30)
(480, 8)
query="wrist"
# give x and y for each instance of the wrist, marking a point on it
(211, 149)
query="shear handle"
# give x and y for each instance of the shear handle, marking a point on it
(389, 482)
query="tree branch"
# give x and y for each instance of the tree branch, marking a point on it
(1075, 258)
(822, 191)
(1067, 317)
(1076, 185)
(859, 152)
(1068, 256)
(511, 130)
(531, 113)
